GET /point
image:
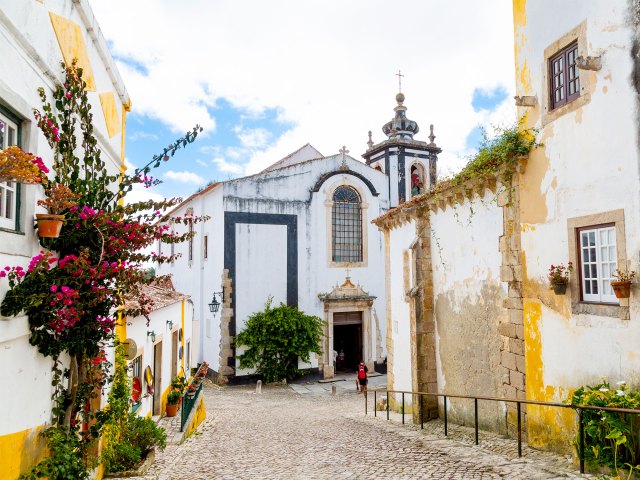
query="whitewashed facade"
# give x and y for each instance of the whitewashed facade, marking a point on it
(485, 320)
(272, 235)
(35, 38)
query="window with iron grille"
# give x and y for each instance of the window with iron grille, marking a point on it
(346, 223)
(564, 78)
(205, 247)
(598, 261)
(9, 191)
(190, 240)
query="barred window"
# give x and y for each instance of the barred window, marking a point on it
(346, 222)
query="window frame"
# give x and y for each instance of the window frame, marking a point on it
(205, 247)
(12, 225)
(585, 310)
(356, 222)
(564, 55)
(600, 298)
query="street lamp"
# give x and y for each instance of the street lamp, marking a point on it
(152, 334)
(214, 306)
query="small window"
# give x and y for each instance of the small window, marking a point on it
(564, 79)
(346, 222)
(189, 214)
(9, 191)
(598, 261)
(136, 367)
(172, 246)
(205, 247)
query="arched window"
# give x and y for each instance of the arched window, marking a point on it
(346, 222)
(417, 180)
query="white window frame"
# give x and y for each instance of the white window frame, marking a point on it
(599, 253)
(8, 189)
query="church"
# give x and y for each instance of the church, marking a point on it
(300, 232)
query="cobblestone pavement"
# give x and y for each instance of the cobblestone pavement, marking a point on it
(281, 433)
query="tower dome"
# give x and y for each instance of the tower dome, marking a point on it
(400, 126)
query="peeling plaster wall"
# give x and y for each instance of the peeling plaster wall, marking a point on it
(468, 298)
(587, 166)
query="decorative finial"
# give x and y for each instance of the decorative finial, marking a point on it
(344, 152)
(432, 137)
(370, 142)
(399, 75)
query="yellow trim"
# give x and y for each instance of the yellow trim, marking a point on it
(20, 451)
(71, 42)
(183, 334)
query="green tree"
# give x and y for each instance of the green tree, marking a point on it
(276, 337)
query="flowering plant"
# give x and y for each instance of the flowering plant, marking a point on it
(621, 276)
(70, 297)
(560, 273)
(17, 165)
(59, 198)
(611, 438)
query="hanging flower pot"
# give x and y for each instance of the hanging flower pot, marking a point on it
(621, 289)
(559, 288)
(49, 225)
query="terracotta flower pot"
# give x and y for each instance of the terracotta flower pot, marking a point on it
(621, 289)
(559, 288)
(172, 410)
(49, 225)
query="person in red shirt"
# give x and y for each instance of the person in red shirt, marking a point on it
(362, 380)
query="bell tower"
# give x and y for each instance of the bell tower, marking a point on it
(410, 165)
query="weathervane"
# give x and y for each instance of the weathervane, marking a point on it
(399, 75)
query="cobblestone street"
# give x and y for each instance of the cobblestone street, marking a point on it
(285, 433)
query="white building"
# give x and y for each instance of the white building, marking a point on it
(294, 232)
(468, 293)
(35, 38)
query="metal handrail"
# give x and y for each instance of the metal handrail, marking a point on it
(519, 403)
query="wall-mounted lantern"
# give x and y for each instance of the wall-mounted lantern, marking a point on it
(214, 306)
(152, 334)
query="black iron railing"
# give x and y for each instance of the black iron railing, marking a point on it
(578, 408)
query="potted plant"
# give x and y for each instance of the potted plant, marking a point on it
(622, 283)
(191, 390)
(559, 277)
(172, 403)
(19, 166)
(59, 199)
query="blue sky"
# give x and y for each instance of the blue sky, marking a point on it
(218, 153)
(264, 78)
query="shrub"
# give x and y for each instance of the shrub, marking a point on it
(137, 437)
(276, 337)
(611, 439)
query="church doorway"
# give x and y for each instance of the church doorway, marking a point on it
(347, 340)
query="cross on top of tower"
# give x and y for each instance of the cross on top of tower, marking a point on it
(344, 152)
(399, 75)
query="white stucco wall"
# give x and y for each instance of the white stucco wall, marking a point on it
(31, 59)
(261, 249)
(137, 330)
(401, 239)
(588, 165)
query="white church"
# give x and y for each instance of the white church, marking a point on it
(300, 232)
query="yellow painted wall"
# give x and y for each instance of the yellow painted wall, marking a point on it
(20, 451)
(110, 112)
(198, 418)
(72, 46)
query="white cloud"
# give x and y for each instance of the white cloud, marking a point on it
(142, 136)
(332, 86)
(228, 167)
(202, 163)
(185, 176)
(253, 137)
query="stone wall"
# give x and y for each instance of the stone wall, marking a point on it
(226, 340)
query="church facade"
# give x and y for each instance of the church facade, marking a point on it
(300, 233)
